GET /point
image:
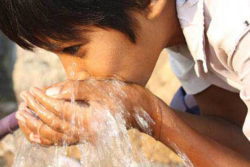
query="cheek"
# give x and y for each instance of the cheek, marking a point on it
(105, 58)
(126, 68)
(103, 63)
(124, 62)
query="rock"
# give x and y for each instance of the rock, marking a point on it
(152, 149)
(157, 153)
(7, 159)
(7, 150)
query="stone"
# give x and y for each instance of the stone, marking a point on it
(157, 153)
(152, 149)
(7, 150)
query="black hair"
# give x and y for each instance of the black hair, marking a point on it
(30, 22)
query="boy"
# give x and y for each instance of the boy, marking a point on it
(122, 39)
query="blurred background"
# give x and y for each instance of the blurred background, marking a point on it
(7, 61)
(20, 70)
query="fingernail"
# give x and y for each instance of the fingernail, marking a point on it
(35, 138)
(53, 91)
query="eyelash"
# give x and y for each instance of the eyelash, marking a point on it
(72, 50)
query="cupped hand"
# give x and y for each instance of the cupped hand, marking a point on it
(71, 111)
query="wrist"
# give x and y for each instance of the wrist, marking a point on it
(165, 120)
(157, 116)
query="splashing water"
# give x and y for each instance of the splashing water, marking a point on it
(187, 162)
(74, 64)
(112, 146)
(73, 69)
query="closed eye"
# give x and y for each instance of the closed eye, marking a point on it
(72, 49)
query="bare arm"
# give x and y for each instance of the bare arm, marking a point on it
(200, 149)
(221, 103)
(222, 116)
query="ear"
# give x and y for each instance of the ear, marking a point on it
(155, 8)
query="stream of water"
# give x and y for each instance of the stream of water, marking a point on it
(112, 147)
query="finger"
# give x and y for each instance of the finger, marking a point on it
(22, 106)
(44, 131)
(59, 84)
(47, 117)
(33, 138)
(60, 109)
(50, 103)
(25, 130)
(72, 90)
(37, 127)
(22, 95)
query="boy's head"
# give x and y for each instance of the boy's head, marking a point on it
(94, 38)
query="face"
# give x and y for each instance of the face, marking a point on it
(107, 53)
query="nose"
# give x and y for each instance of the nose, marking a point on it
(77, 75)
(82, 75)
(73, 67)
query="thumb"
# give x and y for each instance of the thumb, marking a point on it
(58, 90)
(53, 91)
(61, 93)
(68, 91)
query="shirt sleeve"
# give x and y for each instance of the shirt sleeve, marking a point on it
(241, 65)
(183, 68)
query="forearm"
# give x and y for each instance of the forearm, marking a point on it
(222, 131)
(201, 150)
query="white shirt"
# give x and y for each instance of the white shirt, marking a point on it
(216, 32)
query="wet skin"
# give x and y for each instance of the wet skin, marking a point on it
(110, 54)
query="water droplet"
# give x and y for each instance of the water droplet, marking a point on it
(72, 73)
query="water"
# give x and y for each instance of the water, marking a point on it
(183, 156)
(111, 146)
